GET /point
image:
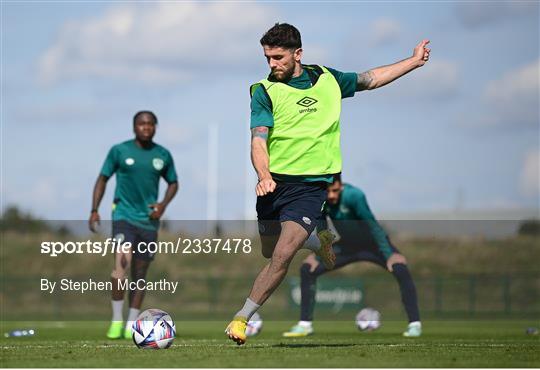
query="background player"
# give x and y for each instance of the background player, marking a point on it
(138, 164)
(360, 238)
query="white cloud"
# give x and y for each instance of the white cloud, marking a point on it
(157, 43)
(478, 14)
(530, 174)
(513, 98)
(385, 31)
(515, 85)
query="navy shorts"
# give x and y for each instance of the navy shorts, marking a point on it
(126, 232)
(298, 202)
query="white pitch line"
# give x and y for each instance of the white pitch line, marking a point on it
(257, 345)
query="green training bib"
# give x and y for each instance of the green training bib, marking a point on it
(305, 138)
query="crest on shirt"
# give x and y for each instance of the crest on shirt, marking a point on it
(130, 161)
(157, 163)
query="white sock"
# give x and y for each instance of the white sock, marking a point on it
(117, 308)
(305, 324)
(248, 310)
(132, 316)
(416, 323)
(312, 243)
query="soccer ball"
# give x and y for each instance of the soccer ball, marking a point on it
(153, 329)
(368, 319)
(254, 325)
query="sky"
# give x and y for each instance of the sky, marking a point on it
(461, 132)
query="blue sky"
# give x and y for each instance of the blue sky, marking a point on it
(464, 129)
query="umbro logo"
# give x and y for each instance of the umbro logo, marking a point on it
(306, 101)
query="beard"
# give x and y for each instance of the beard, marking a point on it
(283, 76)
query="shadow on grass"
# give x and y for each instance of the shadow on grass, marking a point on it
(314, 345)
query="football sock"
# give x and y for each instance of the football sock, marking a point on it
(117, 307)
(416, 323)
(408, 291)
(132, 316)
(305, 324)
(312, 243)
(308, 283)
(248, 310)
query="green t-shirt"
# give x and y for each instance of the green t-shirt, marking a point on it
(355, 223)
(261, 110)
(138, 171)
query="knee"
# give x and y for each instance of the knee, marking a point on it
(119, 273)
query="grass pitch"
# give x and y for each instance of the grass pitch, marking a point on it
(495, 343)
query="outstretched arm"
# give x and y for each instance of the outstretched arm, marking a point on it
(381, 76)
(261, 161)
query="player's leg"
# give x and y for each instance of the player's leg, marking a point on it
(298, 206)
(408, 298)
(139, 268)
(299, 215)
(310, 270)
(269, 232)
(407, 287)
(122, 233)
(290, 240)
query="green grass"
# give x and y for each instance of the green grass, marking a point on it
(495, 343)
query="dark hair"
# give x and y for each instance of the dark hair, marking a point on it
(282, 35)
(142, 112)
(337, 178)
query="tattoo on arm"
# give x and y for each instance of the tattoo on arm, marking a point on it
(364, 80)
(260, 131)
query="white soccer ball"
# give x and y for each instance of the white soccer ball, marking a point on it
(368, 319)
(153, 329)
(254, 325)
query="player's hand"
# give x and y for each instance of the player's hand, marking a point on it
(158, 211)
(94, 221)
(265, 186)
(421, 52)
(395, 258)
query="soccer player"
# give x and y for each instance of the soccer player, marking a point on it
(138, 164)
(361, 238)
(295, 150)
